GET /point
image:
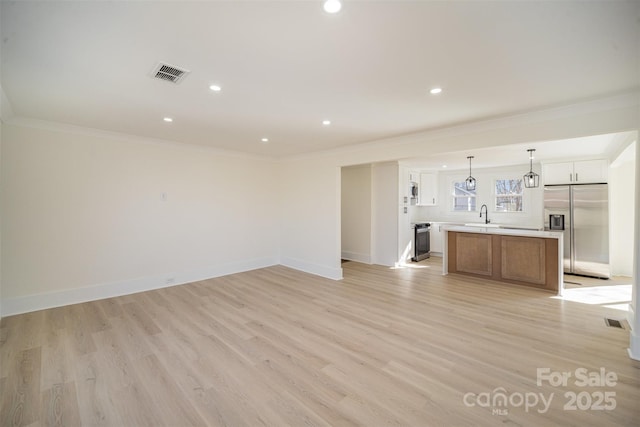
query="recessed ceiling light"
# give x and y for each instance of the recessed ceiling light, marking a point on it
(215, 88)
(168, 119)
(444, 166)
(332, 6)
(265, 140)
(435, 90)
(326, 122)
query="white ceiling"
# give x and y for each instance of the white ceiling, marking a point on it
(608, 146)
(284, 66)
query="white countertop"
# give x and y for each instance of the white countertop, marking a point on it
(503, 231)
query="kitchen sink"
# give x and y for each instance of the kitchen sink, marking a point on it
(515, 227)
(503, 226)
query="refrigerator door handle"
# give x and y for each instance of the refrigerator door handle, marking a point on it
(572, 230)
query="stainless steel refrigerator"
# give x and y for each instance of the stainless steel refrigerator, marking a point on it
(582, 211)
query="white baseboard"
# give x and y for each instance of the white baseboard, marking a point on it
(358, 257)
(631, 317)
(634, 345)
(634, 335)
(28, 303)
(307, 267)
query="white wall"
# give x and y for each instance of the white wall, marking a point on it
(405, 230)
(533, 198)
(83, 216)
(633, 316)
(1, 186)
(384, 220)
(622, 211)
(356, 213)
(310, 216)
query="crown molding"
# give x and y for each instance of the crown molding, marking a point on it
(628, 99)
(28, 122)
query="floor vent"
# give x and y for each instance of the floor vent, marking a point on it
(169, 73)
(613, 323)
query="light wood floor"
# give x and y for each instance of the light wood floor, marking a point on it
(278, 347)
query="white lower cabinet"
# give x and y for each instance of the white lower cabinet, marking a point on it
(435, 241)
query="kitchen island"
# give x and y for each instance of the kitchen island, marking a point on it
(516, 256)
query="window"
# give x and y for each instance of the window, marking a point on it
(508, 195)
(463, 199)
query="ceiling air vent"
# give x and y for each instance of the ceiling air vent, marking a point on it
(169, 73)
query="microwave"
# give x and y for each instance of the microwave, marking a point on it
(413, 190)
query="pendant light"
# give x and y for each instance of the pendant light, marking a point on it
(531, 179)
(470, 182)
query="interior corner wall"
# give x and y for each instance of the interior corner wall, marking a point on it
(92, 216)
(622, 193)
(1, 186)
(384, 221)
(310, 216)
(356, 213)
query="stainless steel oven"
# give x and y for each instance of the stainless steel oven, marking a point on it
(421, 239)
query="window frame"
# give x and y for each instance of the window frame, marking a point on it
(472, 196)
(507, 195)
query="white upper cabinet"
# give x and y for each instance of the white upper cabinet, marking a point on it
(582, 172)
(557, 173)
(414, 177)
(590, 171)
(428, 189)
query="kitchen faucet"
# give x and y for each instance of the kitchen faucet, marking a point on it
(486, 214)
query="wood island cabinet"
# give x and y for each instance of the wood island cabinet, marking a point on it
(523, 259)
(474, 253)
(530, 261)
